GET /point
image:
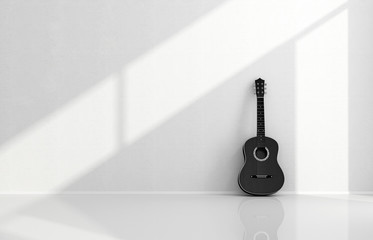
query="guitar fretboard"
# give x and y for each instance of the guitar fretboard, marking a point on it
(260, 117)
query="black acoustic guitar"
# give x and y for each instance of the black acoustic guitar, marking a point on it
(261, 173)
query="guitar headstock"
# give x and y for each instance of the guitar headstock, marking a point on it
(260, 87)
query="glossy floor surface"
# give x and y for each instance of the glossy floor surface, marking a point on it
(182, 216)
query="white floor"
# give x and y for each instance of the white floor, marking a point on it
(183, 216)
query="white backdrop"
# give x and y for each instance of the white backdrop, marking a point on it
(155, 95)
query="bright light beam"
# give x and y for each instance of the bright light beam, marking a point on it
(199, 58)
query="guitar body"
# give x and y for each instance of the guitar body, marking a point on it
(261, 174)
(259, 177)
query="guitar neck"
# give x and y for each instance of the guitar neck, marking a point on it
(260, 124)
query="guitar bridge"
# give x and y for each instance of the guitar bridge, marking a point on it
(261, 176)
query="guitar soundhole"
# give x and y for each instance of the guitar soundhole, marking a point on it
(261, 153)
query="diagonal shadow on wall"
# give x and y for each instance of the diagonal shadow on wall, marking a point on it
(141, 165)
(157, 161)
(54, 51)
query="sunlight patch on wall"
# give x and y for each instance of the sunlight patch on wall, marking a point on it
(322, 107)
(199, 58)
(308, 12)
(64, 145)
(205, 54)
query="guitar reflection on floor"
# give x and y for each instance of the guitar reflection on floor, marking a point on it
(261, 217)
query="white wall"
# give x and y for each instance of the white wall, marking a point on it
(155, 95)
(360, 96)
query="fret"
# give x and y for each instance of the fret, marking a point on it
(260, 118)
